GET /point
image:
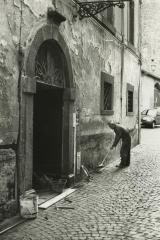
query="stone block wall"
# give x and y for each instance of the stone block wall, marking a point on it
(8, 205)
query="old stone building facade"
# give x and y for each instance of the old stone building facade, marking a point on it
(150, 54)
(61, 79)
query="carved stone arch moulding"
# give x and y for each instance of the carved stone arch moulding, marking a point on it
(48, 32)
(45, 33)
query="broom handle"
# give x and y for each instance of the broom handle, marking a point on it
(104, 159)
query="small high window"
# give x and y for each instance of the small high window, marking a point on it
(107, 17)
(130, 93)
(107, 90)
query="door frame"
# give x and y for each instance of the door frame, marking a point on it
(28, 89)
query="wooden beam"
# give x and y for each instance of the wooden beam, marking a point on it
(56, 199)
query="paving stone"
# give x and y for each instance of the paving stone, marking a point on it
(118, 204)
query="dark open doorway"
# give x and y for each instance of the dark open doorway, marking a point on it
(47, 133)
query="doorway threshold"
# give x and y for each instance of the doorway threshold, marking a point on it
(54, 199)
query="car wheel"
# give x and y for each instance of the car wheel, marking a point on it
(152, 124)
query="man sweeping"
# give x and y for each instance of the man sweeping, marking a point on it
(123, 134)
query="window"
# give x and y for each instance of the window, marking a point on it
(107, 87)
(108, 18)
(131, 22)
(130, 93)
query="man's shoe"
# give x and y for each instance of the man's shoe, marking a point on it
(120, 166)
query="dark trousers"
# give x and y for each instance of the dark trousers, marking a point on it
(125, 154)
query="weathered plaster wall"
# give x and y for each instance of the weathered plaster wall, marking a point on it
(92, 50)
(8, 107)
(131, 76)
(10, 25)
(150, 50)
(147, 93)
(151, 36)
(8, 75)
(136, 24)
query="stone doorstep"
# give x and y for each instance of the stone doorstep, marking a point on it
(10, 223)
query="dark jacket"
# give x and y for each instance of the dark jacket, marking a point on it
(122, 133)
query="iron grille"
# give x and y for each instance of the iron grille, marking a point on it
(130, 101)
(107, 96)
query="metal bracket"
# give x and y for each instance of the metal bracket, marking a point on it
(90, 9)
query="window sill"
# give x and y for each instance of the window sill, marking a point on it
(130, 114)
(111, 28)
(107, 112)
(107, 25)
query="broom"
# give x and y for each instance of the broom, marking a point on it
(101, 165)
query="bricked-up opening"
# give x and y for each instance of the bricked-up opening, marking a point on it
(47, 133)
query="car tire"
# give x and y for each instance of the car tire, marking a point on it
(152, 124)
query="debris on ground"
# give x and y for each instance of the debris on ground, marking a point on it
(44, 181)
(85, 172)
(64, 207)
(68, 200)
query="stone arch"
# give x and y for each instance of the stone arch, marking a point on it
(43, 34)
(47, 32)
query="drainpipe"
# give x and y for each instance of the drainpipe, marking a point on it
(139, 103)
(20, 64)
(122, 61)
(140, 65)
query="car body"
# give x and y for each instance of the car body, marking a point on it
(150, 117)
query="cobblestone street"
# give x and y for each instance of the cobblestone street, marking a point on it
(116, 204)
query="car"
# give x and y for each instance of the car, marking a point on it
(150, 117)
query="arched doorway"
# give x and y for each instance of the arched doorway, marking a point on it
(50, 74)
(48, 94)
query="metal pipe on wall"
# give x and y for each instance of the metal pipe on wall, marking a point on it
(122, 62)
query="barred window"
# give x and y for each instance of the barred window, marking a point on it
(130, 93)
(130, 101)
(107, 88)
(107, 96)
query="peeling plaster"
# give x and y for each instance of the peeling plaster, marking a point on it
(38, 7)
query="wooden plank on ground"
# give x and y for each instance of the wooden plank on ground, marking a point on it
(56, 199)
